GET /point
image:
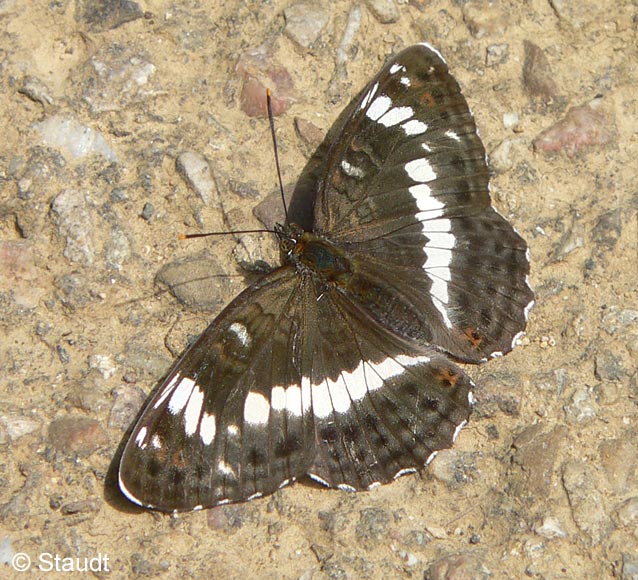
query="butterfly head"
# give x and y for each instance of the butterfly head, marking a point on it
(288, 236)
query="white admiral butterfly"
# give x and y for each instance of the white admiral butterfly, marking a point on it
(337, 364)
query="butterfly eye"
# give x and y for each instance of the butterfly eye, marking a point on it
(287, 245)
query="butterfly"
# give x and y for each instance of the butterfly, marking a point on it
(339, 365)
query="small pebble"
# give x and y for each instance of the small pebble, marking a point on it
(117, 249)
(128, 400)
(87, 396)
(372, 526)
(484, 19)
(627, 513)
(76, 223)
(587, 503)
(577, 14)
(619, 463)
(538, 78)
(148, 211)
(103, 363)
(572, 239)
(496, 54)
(36, 90)
(244, 190)
(536, 452)
(582, 127)
(608, 367)
(458, 566)
(270, 210)
(101, 15)
(19, 274)
(73, 138)
(119, 195)
(550, 527)
(63, 354)
(453, 467)
(116, 78)
(230, 518)
(80, 507)
(145, 360)
(409, 559)
(322, 553)
(385, 11)
(346, 45)
(629, 567)
(77, 435)
(614, 319)
(608, 229)
(304, 23)
(34, 176)
(506, 154)
(510, 120)
(583, 407)
(73, 291)
(258, 70)
(195, 170)
(437, 532)
(200, 282)
(17, 426)
(256, 253)
(309, 134)
(6, 551)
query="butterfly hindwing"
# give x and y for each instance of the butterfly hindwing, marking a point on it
(381, 408)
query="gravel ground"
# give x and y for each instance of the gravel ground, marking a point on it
(126, 124)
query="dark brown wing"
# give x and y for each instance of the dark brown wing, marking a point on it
(406, 193)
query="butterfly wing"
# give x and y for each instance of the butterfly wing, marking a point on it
(381, 408)
(228, 422)
(406, 194)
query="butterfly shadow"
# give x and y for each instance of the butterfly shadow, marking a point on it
(301, 201)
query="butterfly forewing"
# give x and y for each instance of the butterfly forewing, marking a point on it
(217, 430)
(411, 120)
(406, 193)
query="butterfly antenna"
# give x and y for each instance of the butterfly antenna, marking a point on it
(234, 232)
(271, 119)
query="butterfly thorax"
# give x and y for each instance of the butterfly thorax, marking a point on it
(313, 254)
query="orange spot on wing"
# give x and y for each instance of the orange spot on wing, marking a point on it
(447, 376)
(427, 99)
(473, 337)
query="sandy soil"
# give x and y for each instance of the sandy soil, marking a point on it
(543, 483)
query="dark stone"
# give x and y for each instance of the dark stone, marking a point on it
(200, 282)
(77, 435)
(148, 211)
(100, 15)
(538, 78)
